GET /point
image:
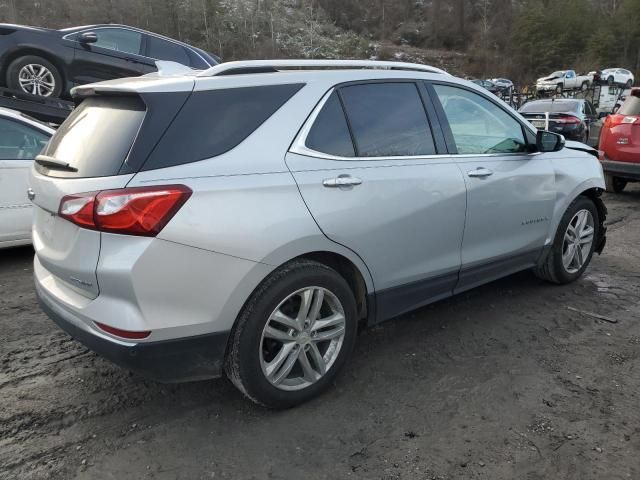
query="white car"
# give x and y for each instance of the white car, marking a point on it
(21, 139)
(618, 76)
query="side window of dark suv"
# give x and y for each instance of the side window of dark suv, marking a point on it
(160, 49)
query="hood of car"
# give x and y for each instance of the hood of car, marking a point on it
(549, 78)
(581, 147)
(7, 28)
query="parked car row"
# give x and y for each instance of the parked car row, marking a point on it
(576, 119)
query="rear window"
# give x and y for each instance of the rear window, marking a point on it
(631, 105)
(213, 122)
(97, 136)
(553, 107)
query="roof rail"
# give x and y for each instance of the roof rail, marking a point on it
(268, 66)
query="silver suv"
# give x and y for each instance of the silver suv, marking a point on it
(249, 218)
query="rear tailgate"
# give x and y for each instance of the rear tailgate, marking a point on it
(100, 146)
(68, 252)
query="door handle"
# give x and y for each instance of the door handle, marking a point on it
(480, 172)
(341, 181)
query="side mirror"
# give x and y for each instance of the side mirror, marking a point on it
(549, 141)
(602, 115)
(88, 37)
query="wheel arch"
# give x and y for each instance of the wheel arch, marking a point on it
(595, 195)
(592, 190)
(26, 51)
(352, 274)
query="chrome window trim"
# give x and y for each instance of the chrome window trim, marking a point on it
(299, 144)
(141, 32)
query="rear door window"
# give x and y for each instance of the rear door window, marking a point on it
(330, 132)
(96, 138)
(387, 120)
(164, 50)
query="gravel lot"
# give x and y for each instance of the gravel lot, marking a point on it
(502, 382)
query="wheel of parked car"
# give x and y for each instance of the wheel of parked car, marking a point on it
(559, 88)
(628, 84)
(293, 336)
(614, 184)
(34, 75)
(610, 80)
(574, 243)
(584, 86)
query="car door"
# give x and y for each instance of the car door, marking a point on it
(510, 192)
(116, 54)
(19, 144)
(373, 172)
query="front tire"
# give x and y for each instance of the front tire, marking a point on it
(614, 184)
(610, 81)
(293, 336)
(559, 88)
(34, 75)
(628, 84)
(573, 245)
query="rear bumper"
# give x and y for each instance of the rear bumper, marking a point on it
(169, 361)
(627, 170)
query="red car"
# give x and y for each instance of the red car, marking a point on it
(620, 144)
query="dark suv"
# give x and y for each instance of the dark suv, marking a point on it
(49, 62)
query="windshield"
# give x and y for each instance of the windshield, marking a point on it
(551, 107)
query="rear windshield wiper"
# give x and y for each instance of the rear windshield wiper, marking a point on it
(54, 163)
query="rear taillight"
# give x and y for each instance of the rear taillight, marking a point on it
(569, 119)
(140, 211)
(616, 119)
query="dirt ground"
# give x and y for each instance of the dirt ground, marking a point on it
(502, 382)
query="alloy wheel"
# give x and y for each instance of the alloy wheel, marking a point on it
(37, 80)
(578, 240)
(302, 338)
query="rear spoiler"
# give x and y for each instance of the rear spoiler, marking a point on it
(136, 86)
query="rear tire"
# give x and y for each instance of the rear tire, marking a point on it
(628, 84)
(34, 75)
(267, 329)
(614, 184)
(610, 81)
(563, 263)
(585, 86)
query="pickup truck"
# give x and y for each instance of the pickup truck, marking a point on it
(563, 80)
